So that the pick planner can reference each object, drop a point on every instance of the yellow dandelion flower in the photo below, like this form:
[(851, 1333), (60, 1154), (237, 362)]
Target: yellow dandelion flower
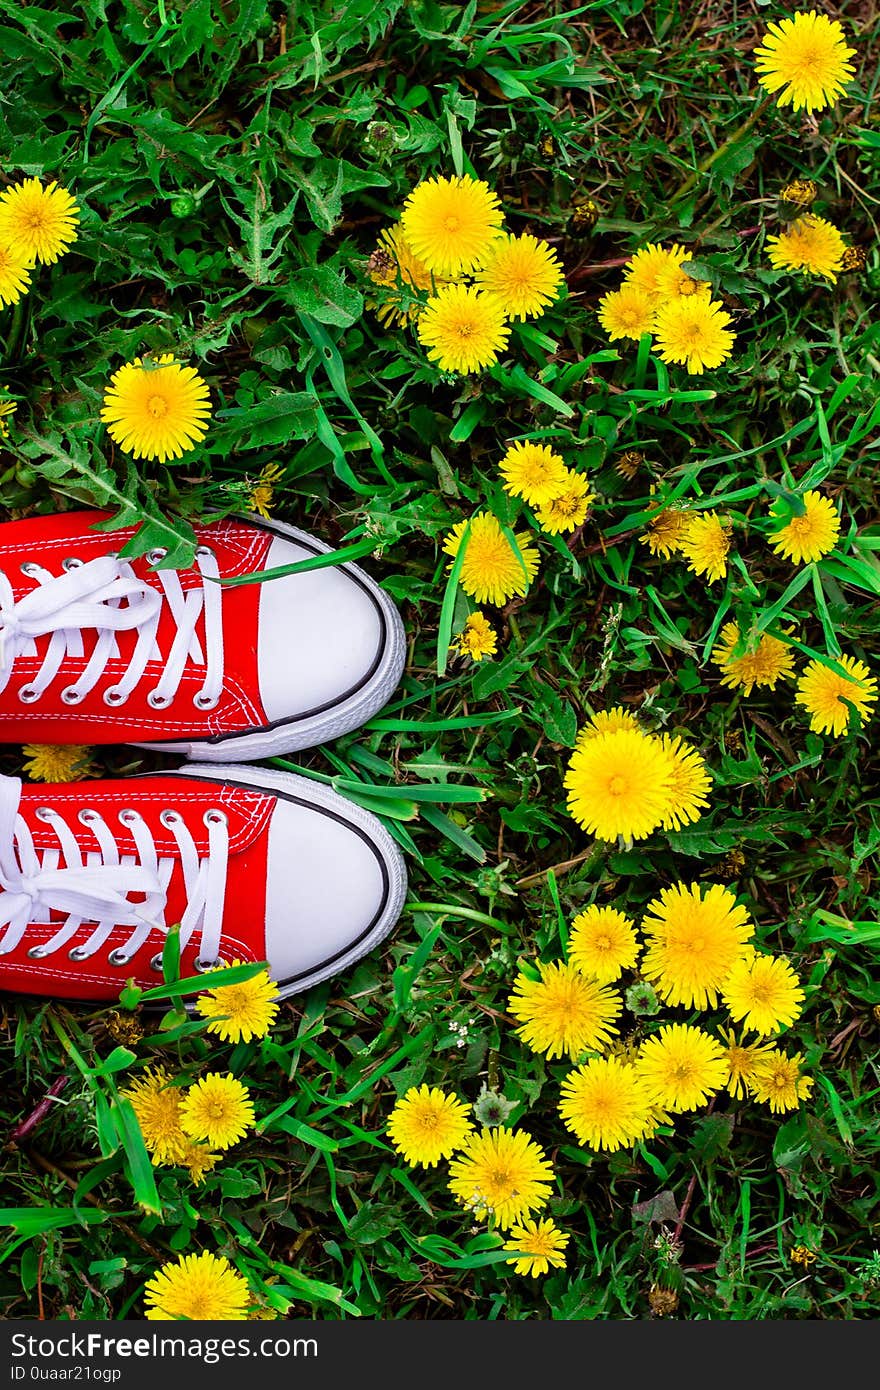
[(777, 1081), (533, 472), (705, 545), (240, 1011), (15, 277), (689, 782), (853, 260), (805, 59), (811, 244), (463, 330), (675, 283), (57, 762), (742, 1059), (427, 1125), (395, 266), (606, 1104), (502, 1174), (39, 223), (602, 944), (156, 410), (198, 1159), (477, 638), (452, 224), (681, 1067), (644, 270), (808, 537), (763, 994), (608, 721), (695, 935), (666, 530), (618, 784), (196, 1288), (761, 662), (261, 493), (7, 410), (568, 510), (824, 695), (535, 1246), (157, 1105), (218, 1109), (800, 193), (564, 1013), (627, 312), (693, 331), (523, 273), (492, 571), (802, 1255)]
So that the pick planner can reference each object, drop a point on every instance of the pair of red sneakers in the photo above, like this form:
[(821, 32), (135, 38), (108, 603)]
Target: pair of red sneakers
[(252, 864)]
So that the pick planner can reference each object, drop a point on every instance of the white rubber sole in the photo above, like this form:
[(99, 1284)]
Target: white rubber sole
[(293, 735), (264, 779)]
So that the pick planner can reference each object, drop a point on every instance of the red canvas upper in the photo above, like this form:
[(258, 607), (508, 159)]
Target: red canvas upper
[(247, 814), (240, 549)]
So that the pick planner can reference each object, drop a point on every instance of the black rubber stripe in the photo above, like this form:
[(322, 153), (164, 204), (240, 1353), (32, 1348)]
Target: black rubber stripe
[(334, 815), (215, 739)]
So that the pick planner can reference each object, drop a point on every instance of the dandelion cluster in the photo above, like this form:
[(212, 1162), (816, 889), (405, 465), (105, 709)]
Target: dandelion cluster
[(659, 298), (449, 269), (624, 782), (191, 1125), (37, 225), (695, 950)]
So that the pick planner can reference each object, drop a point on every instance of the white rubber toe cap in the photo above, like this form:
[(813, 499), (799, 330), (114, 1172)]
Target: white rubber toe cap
[(321, 635)]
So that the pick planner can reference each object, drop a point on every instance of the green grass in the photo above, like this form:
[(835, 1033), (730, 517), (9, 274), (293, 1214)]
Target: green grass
[(234, 165)]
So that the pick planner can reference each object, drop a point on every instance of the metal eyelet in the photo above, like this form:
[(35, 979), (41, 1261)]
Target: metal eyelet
[(87, 816), (78, 953), (113, 696), (37, 952), (118, 957), (214, 817), (170, 818), (28, 569), (71, 696), (70, 562), (203, 966), (205, 550), (154, 556), (128, 816), (157, 701), (156, 964), (44, 813), (203, 701), (27, 694)]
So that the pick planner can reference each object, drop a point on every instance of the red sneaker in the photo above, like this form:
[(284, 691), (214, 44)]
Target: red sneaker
[(253, 865), (96, 649)]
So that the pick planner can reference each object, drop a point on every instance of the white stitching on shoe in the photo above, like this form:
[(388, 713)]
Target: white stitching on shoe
[(105, 596), (94, 887)]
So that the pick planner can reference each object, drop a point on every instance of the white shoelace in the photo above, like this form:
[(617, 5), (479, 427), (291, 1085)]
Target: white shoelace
[(105, 595), (93, 887)]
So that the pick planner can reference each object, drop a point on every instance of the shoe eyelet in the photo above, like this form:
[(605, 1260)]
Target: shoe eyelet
[(78, 953), (71, 696), (157, 701), (215, 817), (118, 957), (37, 952), (203, 701), (128, 816), (28, 569), (87, 816), (154, 556), (205, 551), (28, 694), (203, 966), (44, 813), (70, 562), (156, 964), (170, 818), (113, 696)]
